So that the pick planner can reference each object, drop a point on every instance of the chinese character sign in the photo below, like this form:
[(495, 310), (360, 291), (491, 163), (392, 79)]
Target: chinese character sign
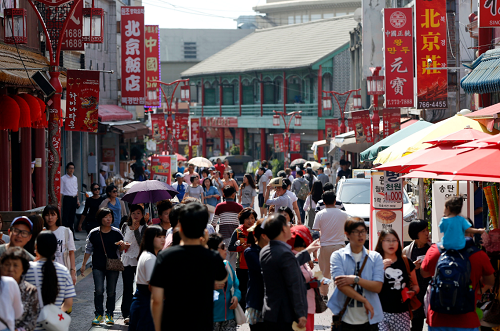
[(331, 127), (295, 142), (82, 100), (72, 40), (195, 131), (159, 127), (392, 121), (181, 127), (278, 143), (430, 27), (362, 126), (133, 56), (398, 57), (489, 13), (153, 72)]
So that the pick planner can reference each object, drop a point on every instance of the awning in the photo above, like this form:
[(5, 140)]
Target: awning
[(347, 142), (408, 123), (109, 113), (485, 76), (487, 116), (319, 143), (129, 129)]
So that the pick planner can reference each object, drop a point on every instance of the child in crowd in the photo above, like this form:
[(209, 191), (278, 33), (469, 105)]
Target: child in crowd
[(453, 226)]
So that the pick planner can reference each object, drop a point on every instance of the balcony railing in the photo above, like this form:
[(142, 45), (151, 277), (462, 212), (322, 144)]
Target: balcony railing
[(310, 109)]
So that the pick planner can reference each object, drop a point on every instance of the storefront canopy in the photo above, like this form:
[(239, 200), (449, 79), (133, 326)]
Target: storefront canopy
[(129, 129), (485, 76), (487, 116), (347, 142), (108, 113), (371, 153)]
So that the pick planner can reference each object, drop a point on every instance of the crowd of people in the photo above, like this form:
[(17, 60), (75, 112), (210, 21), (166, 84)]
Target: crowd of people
[(215, 250)]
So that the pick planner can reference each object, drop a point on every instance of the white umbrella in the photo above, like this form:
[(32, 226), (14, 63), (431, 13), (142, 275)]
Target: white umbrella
[(200, 162), (314, 165)]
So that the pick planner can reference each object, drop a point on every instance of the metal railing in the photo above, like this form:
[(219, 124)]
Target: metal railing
[(310, 109)]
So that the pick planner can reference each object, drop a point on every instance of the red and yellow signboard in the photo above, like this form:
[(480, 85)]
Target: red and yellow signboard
[(398, 57), (159, 127), (331, 127), (430, 27), (278, 143), (489, 13), (153, 63), (82, 100), (195, 131), (133, 58), (295, 142), (362, 126), (181, 127), (392, 121)]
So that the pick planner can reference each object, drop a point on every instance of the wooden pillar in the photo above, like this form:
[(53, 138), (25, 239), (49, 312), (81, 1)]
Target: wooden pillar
[(242, 141), (26, 185), (202, 96), (285, 95), (222, 147), (40, 172), (261, 96), (320, 149), (263, 144), (240, 93), (220, 96), (320, 91), (5, 172)]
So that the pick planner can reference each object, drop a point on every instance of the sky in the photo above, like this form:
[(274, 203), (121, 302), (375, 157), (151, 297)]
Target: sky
[(197, 14)]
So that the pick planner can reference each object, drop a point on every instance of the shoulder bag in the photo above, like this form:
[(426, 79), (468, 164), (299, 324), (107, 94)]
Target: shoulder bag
[(337, 319), (310, 215), (491, 308), (111, 264), (51, 317), (239, 314), (318, 300), (66, 259), (414, 303)]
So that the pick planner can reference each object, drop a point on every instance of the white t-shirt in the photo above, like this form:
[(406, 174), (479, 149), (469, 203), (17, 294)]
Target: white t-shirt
[(264, 179), (145, 267), (330, 221), (62, 234), (355, 313), (11, 306)]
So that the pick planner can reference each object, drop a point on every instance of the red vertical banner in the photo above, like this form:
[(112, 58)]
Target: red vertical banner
[(133, 76), (73, 40), (331, 128), (153, 72), (278, 143), (295, 142), (430, 27), (350, 125), (398, 57), (489, 13), (195, 132), (159, 127), (82, 100), (362, 126), (181, 127), (392, 121)]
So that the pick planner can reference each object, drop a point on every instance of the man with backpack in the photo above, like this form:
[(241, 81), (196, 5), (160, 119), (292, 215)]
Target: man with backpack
[(456, 286), (300, 187)]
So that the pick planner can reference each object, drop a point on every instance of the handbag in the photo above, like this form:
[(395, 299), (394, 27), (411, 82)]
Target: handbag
[(211, 209), (239, 314), (66, 259), (310, 215), (320, 304), (491, 309), (51, 317), (112, 264), (337, 319), (414, 303)]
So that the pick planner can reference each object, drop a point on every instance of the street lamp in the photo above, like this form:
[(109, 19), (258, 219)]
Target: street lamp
[(297, 122), (375, 87), (92, 25), (356, 100), (15, 26), (342, 110), (327, 103), (185, 93), (153, 96)]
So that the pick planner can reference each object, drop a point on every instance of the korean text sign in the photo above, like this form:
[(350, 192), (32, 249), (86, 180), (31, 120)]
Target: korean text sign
[(398, 57), (392, 121), (362, 126), (489, 13), (82, 100), (153, 72), (159, 127), (133, 77), (331, 127), (386, 205), (430, 27), (162, 167)]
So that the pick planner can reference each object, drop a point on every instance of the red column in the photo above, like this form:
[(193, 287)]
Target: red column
[(5, 172), (202, 96), (222, 147), (320, 149), (242, 141), (54, 163), (25, 168), (284, 92), (190, 154), (220, 96), (40, 172), (320, 91), (204, 142), (484, 39), (263, 144), (261, 96), (240, 93)]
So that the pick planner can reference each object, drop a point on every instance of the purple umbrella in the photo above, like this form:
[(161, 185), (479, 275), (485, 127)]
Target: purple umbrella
[(149, 191)]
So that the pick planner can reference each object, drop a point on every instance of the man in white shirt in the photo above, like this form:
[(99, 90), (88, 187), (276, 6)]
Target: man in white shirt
[(293, 199), (70, 199), (330, 222), (279, 197), (263, 180), (329, 171), (191, 172), (102, 180)]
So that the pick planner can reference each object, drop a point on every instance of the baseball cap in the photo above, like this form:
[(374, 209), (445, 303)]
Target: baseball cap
[(276, 182), (22, 220), (211, 168), (177, 175)]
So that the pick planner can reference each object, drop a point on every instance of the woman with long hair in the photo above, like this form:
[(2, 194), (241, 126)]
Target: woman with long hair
[(227, 180), (140, 310), (103, 243), (56, 284), (133, 231), (400, 282), (115, 204), (247, 192), (311, 201), (65, 253), (91, 207), (11, 305)]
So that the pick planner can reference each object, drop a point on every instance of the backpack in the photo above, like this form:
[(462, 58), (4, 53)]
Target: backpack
[(303, 191), (451, 287)]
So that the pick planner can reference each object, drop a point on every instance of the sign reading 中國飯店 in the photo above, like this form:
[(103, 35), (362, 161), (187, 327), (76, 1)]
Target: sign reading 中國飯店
[(398, 57), (153, 72), (133, 56)]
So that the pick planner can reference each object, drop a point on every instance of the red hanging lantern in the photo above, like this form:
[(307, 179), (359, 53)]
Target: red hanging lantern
[(42, 123), (9, 113), (35, 113), (92, 25), (185, 93), (327, 103), (15, 26), (25, 118)]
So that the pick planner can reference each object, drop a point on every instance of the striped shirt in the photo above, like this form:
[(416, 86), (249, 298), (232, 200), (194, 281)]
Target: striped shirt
[(321, 205), (226, 214)]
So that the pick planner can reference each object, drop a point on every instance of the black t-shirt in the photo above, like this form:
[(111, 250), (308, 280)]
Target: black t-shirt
[(91, 208), (396, 278), (422, 282), (109, 239), (187, 274), (346, 174)]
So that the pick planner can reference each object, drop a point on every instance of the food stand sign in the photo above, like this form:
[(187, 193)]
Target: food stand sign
[(489, 13), (82, 100), (430, 35), (398, 57), (153, 73), (162, 167), (392, 121), (133, 56), (386, 205)]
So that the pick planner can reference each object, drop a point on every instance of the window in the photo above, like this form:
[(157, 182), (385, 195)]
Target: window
[(305, 18), (340, 14), (315, 17), (328, 15), (290, 20), (298, 19), (190, 50)]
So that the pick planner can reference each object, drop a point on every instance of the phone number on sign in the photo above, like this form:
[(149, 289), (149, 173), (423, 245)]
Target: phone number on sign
[(73, 38), (435, 104)]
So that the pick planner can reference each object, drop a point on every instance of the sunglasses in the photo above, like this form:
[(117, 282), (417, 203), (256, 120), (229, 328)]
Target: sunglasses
[(95, 189), (114, 191), (222, 246)]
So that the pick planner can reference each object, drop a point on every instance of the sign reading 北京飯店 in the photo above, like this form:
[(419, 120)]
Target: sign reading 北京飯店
[(430, 27), (220, 122), (153, 63), (133, 56), (489, 13), (398, 57)]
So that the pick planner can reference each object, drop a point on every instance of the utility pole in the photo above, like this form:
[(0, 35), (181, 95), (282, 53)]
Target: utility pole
[(457, 51)]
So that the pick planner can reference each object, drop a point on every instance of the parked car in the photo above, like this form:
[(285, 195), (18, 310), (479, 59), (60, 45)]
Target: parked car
[(354, 193), (238, 164)]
